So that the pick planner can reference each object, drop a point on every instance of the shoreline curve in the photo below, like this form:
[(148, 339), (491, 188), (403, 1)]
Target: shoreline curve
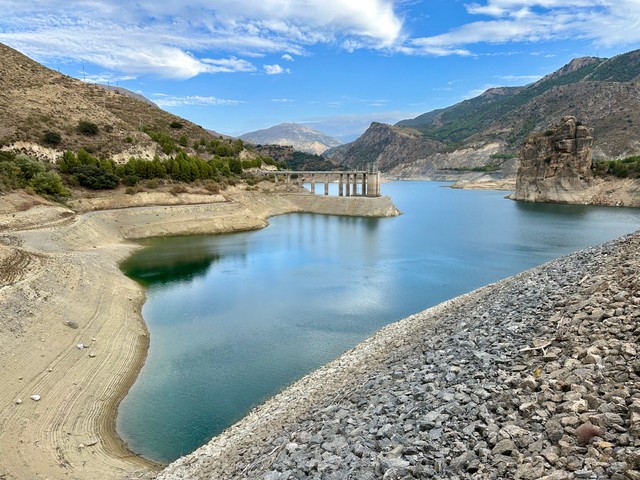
[(73, 332)]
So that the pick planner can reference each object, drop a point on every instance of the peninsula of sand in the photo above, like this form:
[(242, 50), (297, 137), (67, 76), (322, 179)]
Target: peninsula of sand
[(72, 339)]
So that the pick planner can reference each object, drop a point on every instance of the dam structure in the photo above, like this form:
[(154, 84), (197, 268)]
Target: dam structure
[(351, 183)]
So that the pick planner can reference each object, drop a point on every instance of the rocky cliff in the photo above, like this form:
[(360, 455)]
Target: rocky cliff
[(386, 147), (555, 166), (404, 152)]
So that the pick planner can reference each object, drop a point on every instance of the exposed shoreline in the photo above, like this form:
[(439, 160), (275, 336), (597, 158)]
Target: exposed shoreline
[(52, 261)]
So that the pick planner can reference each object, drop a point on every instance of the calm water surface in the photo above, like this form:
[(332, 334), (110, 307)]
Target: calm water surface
[(235, 318)]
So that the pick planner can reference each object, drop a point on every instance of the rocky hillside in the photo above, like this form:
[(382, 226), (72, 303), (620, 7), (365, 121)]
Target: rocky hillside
[(486, 132), (291, 134), (46, 113)]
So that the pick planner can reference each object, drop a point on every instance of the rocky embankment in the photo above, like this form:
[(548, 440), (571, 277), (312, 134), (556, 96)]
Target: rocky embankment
[(535, 377)]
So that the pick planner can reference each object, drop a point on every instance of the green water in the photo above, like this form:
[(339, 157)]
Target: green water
[(236, 318)]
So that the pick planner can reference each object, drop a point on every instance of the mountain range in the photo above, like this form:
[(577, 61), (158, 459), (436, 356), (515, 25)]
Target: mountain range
[(297, 136), (486, 132), (45, 112)]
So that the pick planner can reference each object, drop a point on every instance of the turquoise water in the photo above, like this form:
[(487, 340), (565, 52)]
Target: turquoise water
[(236, 318)]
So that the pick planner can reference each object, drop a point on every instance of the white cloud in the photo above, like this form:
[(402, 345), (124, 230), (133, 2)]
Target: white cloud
[(167, 38), (174, 39), (605, 22), (281, 100), (275, 69), (104, 78), (228, 65), (520, 79), (171, 101), (479, 91)]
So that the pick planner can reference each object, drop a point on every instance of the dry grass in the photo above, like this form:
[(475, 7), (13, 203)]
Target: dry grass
[(35, 99)]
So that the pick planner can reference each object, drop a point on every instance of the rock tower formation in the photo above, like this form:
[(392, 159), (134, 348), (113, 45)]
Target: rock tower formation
[(555, 166)]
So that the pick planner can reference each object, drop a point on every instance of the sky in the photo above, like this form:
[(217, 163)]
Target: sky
[(236, 66)]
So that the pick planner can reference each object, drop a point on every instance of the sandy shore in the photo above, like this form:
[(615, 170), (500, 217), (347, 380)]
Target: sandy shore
[(61, 288)]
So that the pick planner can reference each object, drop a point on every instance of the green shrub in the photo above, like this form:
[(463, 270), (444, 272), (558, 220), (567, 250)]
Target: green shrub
[(29, 168), (95, 177), (87, 128), (52, 138), (176, 124), (68, 161), (130, 180), (235, 165), (627, 167), (9, 175), (167, 144), (49, 183)]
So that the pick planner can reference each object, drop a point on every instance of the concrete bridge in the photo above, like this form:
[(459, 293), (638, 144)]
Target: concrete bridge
[(351, 183)]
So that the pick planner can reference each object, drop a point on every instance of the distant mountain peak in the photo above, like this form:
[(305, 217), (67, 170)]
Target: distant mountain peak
[(298, 136), (573, 66)]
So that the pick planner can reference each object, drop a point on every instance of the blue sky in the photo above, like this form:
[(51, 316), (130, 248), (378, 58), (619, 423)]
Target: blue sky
[(335, 65)]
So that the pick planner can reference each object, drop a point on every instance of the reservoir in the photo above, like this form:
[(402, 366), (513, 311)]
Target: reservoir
[(235, 318)]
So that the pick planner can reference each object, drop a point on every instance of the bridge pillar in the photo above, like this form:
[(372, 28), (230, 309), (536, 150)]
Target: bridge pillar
[(364, 184), (348, 184), (275, 178), (326, 184), (340, 193), (313, 183), (288, 179), (355, 184)]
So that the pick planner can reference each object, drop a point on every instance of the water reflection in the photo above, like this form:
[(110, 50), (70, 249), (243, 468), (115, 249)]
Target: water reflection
[(553, 208), (175, 260)]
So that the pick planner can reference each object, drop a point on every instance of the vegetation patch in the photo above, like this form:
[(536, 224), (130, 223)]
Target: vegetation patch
[(87, 128), (488, 168), (20, 171), (52, 138), (626, 168), (503, 156)]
